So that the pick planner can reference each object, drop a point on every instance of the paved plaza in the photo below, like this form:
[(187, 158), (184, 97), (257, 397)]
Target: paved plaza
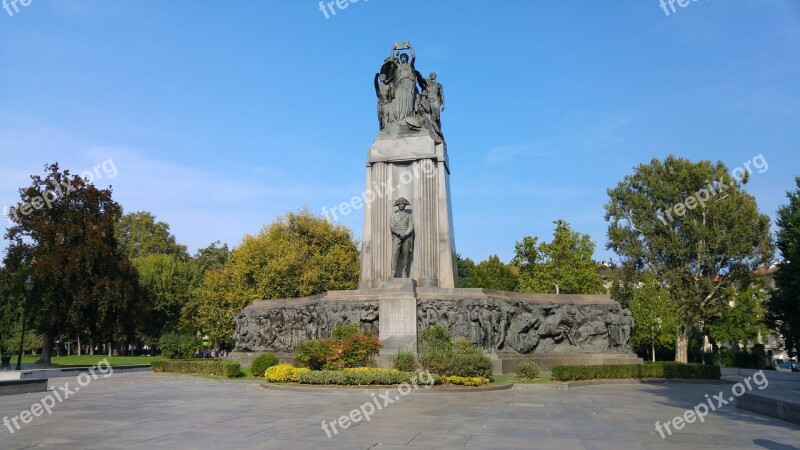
[(145, 410)]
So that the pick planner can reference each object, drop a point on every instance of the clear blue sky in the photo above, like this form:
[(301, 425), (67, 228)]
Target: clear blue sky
[(219, 116)]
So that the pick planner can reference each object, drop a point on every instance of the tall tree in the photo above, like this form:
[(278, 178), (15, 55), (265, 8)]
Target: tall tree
[(785, 303), (167, 280), (692, 227), (494, 274), (654, 314), (298, 255), (140, 235), (63, 237), (563, 266), (209, 258)]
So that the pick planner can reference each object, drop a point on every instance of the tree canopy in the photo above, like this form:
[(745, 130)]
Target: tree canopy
[(299, 254), (694, 228), (563, 266), (494, 274), (140, 235)]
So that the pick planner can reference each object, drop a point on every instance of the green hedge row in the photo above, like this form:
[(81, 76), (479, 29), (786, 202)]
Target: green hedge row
[(217, 367), (352, 378), (625, 371)]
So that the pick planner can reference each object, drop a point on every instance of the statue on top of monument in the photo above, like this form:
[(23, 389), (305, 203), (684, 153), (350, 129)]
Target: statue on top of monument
[(401, 225), (385, 93), (400, 103), (435, 94)]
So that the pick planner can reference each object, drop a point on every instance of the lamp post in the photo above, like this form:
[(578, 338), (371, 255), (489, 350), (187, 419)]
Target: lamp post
[(28, 289)]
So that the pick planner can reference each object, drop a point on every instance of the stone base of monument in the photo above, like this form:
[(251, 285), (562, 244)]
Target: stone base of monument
[(398, 309), (509, 326)]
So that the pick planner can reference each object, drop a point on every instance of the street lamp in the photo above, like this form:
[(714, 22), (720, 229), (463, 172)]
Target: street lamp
[(28, 289)]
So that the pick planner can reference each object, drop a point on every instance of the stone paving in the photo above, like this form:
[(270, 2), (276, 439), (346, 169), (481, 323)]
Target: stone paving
[(145, 410)]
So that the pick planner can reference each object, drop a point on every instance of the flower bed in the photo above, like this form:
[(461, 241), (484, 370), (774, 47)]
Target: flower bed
[(284, 373)]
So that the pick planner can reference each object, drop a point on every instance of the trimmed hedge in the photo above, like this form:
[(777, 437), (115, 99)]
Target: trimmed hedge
[(626, 371), (362, 377), (216, 367)]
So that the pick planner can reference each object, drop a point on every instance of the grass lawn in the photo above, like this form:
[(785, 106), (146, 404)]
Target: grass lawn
[(87, 360)]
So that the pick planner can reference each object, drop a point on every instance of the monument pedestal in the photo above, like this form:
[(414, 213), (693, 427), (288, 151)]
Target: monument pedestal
[(398, 311), (413, 166)]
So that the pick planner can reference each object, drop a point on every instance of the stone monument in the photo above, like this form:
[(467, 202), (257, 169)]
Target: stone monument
[(408, 267), (408, 160)]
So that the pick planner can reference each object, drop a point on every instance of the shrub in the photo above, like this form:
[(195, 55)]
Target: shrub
[(404, 361), (436, 339), (465, 381), (179, 345), (262, 363), (313, 353), (284, 373), (647, 370), (462, 345), (743, 360), (459, 364), (345, 330), (353, 350), (216, 367), (348, 348), (528, 369)]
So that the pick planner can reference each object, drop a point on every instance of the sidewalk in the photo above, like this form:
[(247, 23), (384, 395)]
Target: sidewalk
[(780, 399)]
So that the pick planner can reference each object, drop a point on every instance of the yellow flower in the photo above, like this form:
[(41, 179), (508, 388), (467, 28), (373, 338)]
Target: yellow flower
[(465, 381), (283, 373)]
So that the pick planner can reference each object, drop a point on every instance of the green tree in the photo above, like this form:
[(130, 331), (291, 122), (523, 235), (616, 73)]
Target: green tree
[(167, 280), (785, 302), (655, 316), (140, 235), (83, 282), (742, 319), (493, 274), (297, 255), (563, 266), (693, 228), (212, 257), (466, 269)]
